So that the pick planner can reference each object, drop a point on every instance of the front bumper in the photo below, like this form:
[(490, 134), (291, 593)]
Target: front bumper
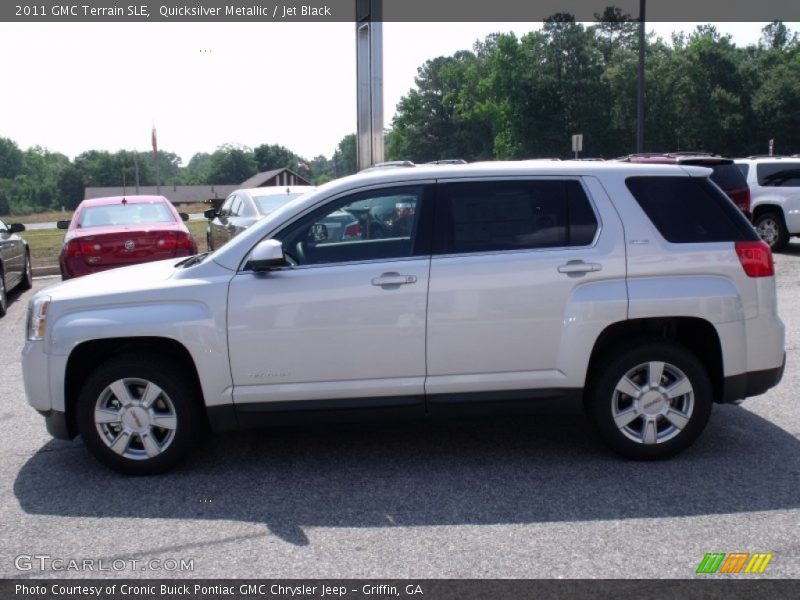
[(57, 424)]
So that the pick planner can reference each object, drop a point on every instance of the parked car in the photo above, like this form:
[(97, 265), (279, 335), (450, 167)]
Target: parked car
[(775, 190), (723, 172), (15, 262), (106, 233), (639, 289), (244, 207)]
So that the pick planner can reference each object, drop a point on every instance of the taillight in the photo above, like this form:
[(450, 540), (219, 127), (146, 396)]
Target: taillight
[(82, 247), (741, 198), (177, 241), (186, 242), (352, 232), (756, 258)]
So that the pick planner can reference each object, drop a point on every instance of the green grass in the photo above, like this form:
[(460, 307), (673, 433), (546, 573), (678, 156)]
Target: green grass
[(45, 244)]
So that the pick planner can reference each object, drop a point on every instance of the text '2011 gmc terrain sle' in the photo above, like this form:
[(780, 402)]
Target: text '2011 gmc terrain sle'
[(641, 289)]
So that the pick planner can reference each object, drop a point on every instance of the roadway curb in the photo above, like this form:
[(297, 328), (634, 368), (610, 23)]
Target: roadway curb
[(46, 271)]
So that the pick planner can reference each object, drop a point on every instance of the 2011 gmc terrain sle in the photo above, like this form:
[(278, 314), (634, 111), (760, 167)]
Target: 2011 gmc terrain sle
[(639, 288)]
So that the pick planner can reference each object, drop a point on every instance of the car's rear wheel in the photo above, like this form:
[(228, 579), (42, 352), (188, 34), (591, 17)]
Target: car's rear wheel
[(27, 274), (652, 401), (772, 230), (139, 415)]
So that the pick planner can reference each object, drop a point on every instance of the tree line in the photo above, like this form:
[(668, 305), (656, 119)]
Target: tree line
[(36, 179), (513, 98), (507, 98)]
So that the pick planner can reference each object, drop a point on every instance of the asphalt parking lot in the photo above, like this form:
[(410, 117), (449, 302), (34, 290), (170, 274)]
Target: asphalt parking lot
[(533, 497)]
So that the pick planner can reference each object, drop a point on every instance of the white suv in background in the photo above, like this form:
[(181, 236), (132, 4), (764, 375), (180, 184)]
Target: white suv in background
[(774, 196), (640, 289)]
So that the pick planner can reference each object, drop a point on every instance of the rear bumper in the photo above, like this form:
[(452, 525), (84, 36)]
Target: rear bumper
[(745, 385)]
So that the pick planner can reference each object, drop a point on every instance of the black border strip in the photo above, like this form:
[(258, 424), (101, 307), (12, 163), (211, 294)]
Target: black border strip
[(163, 11)]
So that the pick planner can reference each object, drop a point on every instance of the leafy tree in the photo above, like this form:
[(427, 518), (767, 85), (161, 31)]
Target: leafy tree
[(71, 186), (10, 159), (231, 165), (273, 156)]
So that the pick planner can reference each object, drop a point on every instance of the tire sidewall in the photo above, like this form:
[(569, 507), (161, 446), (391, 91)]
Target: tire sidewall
[(610, 373), (171, 379), (783, 234), (3, 295), (27, 275)]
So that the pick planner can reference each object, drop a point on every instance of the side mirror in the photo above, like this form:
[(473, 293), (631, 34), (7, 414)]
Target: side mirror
[(16, 227), (268, 254), (319, 232), (210, 213), (62, 224), (184, 216)]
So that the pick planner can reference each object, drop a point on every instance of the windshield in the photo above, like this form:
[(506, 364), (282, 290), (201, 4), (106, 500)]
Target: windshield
[(125, 214), (268, 204)]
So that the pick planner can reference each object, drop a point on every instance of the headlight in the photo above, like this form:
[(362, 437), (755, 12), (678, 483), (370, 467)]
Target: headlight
[(37, 317)]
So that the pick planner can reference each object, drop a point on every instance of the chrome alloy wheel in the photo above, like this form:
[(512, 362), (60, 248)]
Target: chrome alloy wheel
[(768, 230), (652, 403), (135, 418)]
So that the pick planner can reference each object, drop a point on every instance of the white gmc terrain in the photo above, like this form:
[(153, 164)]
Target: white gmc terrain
[(425, 291)]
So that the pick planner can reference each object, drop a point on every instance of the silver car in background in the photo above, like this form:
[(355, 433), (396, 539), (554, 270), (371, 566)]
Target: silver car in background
[(244, 207)]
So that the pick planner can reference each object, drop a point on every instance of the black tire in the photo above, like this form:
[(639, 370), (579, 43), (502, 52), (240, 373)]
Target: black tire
[(3, 295), (653, 431), (177, 407), (772, 229), (27, 274)]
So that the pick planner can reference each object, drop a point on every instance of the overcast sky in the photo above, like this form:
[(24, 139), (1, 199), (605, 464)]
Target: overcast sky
[(81, 86)]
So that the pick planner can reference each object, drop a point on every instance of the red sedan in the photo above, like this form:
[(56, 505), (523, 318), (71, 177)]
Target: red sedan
[(105, 233)]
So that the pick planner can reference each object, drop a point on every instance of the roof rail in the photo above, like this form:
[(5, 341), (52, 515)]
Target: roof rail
[(771, 156), (389, 165), (447, 161)]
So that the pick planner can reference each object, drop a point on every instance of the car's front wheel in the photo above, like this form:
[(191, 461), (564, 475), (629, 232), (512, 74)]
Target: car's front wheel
[(651, 401), (139, 416)]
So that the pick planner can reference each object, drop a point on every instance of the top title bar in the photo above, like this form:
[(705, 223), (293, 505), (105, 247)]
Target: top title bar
[(393, 10)]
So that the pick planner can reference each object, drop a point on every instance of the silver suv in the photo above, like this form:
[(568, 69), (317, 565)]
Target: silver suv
[(775, 196), (639, 289)]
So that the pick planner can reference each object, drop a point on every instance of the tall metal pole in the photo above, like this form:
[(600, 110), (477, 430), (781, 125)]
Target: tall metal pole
[(640, 86), (369, 82)]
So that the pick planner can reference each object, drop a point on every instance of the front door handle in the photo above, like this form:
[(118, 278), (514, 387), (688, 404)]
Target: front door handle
[(393, 279), (578, 266)]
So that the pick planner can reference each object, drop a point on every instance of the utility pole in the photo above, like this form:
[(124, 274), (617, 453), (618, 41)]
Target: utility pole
[(640, 86)]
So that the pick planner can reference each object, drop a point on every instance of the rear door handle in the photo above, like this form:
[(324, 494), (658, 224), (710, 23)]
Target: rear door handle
[(393, 279), (578, 266)]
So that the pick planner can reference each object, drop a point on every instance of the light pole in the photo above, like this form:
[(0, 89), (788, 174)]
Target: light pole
[(640, 85)]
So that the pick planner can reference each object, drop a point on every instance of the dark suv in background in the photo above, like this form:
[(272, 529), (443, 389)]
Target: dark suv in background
[(724, 172)]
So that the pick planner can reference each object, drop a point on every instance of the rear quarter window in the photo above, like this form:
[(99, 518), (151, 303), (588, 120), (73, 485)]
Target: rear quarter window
[(690, 210), (779, 174)]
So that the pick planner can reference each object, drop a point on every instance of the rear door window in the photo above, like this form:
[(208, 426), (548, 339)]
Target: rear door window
[(728, 177), (779, 174), (690, 210), (490, 216), (744, 168)]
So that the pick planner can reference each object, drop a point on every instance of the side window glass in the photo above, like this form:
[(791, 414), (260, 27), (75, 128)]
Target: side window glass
[(779, 175), (236, 207), (225, 211), (369, 226), (3, 227), (513, 215)]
